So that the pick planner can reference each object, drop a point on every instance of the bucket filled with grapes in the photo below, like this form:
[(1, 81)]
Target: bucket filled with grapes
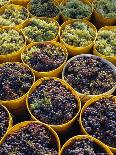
[(98, 119), (31, 138), (15, 81), (12, 43), (90, 75), (5, 122), (40, 29), (46, 59), (78, 36), (104, 12), (76, 9), (13, 16), (44, 8), (105, 44), (84, 145), (54, 102)]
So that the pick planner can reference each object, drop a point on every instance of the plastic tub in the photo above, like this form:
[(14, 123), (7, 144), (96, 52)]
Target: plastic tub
[(73, 50), (101, 21), (86, 18), (85, 97), (62, 127), (112, 59), (56, 2), (10, 123), (17, 7), (79, 137), (88, 103), (17, 105), (16, 55), (17, 127), (54, 73), (42, 18)]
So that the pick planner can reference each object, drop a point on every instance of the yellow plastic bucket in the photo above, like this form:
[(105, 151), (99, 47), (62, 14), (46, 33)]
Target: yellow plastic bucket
[(73, 50), (86, 18), (10, 123), (17, 7), (112, 59), (16, 55), (54, 73), (62, 127), (18, 104), (55, 18), (29, 40), (100, 20), (17, 127), (80, 137), (85, 97), (89, 103), (20, 2)]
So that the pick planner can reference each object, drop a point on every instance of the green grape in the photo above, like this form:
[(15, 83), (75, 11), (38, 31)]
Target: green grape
[(106, 42)]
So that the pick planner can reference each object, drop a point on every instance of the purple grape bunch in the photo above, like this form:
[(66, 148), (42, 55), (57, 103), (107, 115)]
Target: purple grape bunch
[(84, 146), (15, 81), (52, 103), (4, 121), (33, 139), (89, 75), (44, 57), (99, 120)]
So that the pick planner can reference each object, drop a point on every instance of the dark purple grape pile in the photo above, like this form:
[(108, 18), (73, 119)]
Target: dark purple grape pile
[(90, 75), (44, 57), (99, 120), (53, 103), (33, 139), (15, 81), (4, 121), (84, 147)]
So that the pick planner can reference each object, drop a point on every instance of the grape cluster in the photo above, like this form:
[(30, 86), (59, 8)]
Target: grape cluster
[(53, 103), (41, 30), (106, 7), (106, 42), (43, 8), (13, 16), (84, 147), (10, 41), (76, 9), (4, 121), (78, 34), (44, 57), (3, 2), (15, 81), (89, 75), (33, 139), (99, 120)]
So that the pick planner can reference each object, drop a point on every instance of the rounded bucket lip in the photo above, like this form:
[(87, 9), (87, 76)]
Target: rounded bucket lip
[(88, 104), (79, 137), (18, 126), (61, 126), (94, 56)]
